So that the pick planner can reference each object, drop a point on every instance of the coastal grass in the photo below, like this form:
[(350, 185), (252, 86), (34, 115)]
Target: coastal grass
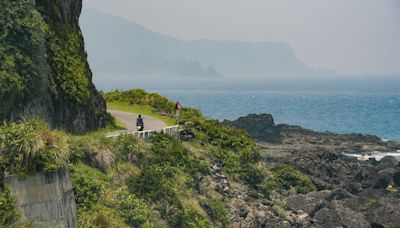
[(120, 124), (142, 109)]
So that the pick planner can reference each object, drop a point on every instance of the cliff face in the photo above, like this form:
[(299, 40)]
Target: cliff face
[(43, 65)]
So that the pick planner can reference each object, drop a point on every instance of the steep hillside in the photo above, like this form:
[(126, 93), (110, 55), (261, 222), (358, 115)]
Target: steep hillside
[(114, 43), (43, 66)]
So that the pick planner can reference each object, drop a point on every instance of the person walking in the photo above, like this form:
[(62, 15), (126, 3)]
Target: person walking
[(140, 123)]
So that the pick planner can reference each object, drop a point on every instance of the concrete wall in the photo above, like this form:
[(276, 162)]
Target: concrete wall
[(47, 199)]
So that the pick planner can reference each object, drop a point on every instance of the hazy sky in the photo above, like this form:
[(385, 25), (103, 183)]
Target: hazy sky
[(348, 36)]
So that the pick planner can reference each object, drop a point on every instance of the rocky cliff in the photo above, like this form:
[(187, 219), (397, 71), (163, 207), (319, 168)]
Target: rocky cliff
[(43, 65)]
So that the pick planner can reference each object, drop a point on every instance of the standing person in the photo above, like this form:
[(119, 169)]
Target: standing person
[(178, 108), (140, 123)]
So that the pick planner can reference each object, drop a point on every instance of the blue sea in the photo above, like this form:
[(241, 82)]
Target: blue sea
[(356, 105)]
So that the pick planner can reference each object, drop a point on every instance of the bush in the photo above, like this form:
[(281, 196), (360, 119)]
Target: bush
[(191, 115), (156, 182), (8, 213), (134, 210), (227, 137), (141, 97), (286, 177), (167, 149), (251, 175), (88, 184), (100, 216), (216, 210), (192, 219), (30, 147), (230, 161), (130, 148)]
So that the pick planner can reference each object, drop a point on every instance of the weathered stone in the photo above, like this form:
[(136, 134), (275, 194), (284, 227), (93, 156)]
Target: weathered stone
[(46, 199), (382, 182), (309, 203), (387, 162), (339, 194), (396, 178)]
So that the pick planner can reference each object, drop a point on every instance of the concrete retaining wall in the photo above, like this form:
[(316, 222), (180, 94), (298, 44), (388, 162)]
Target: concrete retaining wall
[(47, 199)]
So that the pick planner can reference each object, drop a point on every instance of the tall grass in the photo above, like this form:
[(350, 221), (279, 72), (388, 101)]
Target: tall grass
[(31, 146)]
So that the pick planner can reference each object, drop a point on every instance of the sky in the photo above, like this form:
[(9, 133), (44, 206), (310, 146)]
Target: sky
[(357, 37)]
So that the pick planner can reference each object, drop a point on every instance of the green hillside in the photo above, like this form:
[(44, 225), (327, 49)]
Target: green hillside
[(127, 182)]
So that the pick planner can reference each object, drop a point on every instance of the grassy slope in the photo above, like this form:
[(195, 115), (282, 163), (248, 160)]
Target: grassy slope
[(142, 109)]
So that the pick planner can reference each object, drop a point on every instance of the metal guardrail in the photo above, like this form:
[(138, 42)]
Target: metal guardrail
[(172, 130)]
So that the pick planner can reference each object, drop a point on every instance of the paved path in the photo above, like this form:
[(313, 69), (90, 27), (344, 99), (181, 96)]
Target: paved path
[(129, 120)]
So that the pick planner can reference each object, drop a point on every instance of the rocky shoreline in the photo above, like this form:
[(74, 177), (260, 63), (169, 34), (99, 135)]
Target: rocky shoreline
[(351, 192)]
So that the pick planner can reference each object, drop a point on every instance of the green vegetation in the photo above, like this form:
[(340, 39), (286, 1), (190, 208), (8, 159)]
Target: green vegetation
[(30, 147), (68, 64), (22, 31), (157, 102), (8, 213), (129, 182), (218, 212), (286, 177), (28, 42)]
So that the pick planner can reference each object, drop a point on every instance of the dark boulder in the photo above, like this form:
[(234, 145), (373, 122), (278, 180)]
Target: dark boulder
[(339, 216), (339, 194), (261, 127), (309, 203), (382, 182), (387, 162), (396, 178)]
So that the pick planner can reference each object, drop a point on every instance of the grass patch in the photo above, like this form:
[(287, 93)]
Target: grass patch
[(120, 124), (140, 109)]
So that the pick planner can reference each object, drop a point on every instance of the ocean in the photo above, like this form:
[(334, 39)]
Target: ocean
[(357, 105)]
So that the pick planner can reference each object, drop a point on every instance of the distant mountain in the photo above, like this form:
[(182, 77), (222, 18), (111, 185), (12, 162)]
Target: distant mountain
[(116, 45)]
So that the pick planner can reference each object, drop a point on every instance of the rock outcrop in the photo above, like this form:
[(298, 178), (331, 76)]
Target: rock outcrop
[(43, 66), (351, 193), (261, 127)]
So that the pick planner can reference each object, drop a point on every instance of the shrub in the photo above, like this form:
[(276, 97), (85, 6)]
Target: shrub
[(31, 147), (141, 97), (216, 210), (8, 213), (192, 219), (156, 182), (227, 137), (286, 177), (134, 210), (100, 216), (191, 115), (230, 161), (251, 175), (130, 148), (168, 149), (88, 184)]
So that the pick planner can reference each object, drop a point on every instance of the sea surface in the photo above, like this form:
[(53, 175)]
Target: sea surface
[(357, 105)]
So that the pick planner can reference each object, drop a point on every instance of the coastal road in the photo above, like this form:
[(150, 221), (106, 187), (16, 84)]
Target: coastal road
[(129, 120)]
